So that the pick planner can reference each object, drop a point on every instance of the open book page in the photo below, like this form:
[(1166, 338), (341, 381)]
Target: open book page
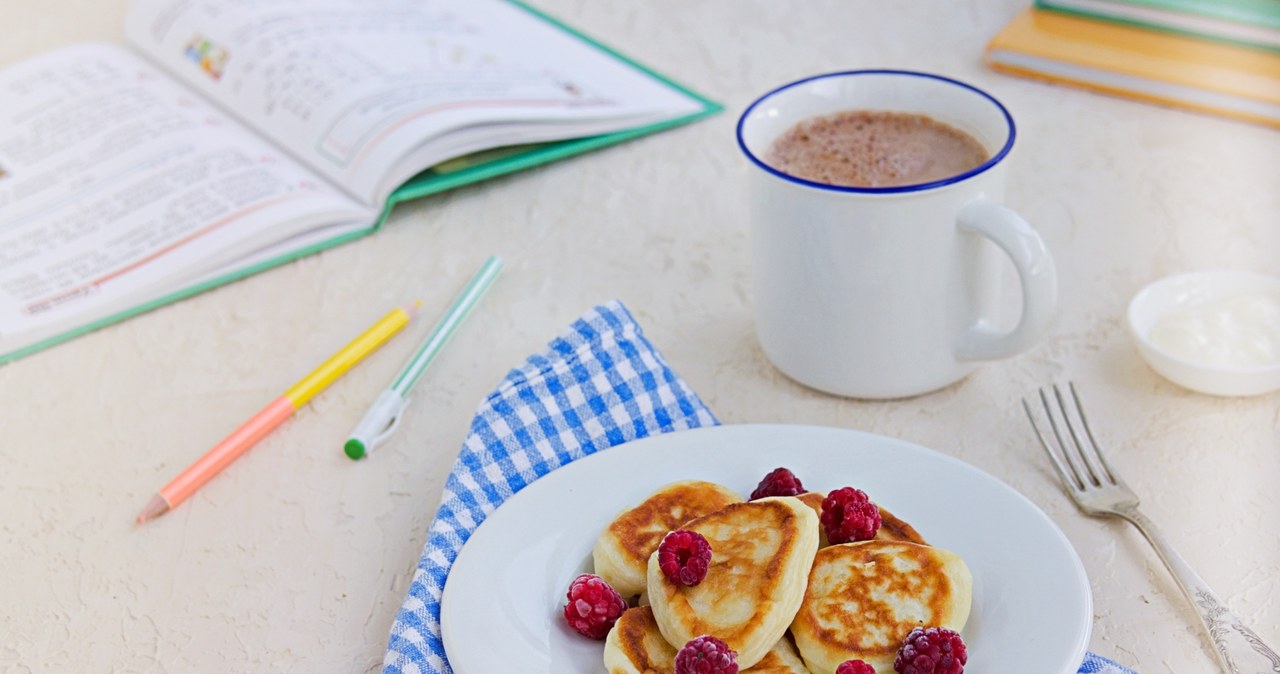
[(118, 185), (369, 92)]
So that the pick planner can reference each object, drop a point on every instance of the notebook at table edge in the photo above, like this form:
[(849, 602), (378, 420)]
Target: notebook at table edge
[(1255, 12), (1130, 62), (1247, 23), (425, 184)]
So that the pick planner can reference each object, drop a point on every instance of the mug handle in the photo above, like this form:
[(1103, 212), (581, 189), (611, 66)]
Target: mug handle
[(1036, 273)]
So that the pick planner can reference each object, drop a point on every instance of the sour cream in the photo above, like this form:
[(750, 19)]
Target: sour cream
[(1214, 331), (1235, 331)]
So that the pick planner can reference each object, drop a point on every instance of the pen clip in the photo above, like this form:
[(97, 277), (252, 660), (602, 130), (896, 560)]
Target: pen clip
[(391, 425), (378, 424)]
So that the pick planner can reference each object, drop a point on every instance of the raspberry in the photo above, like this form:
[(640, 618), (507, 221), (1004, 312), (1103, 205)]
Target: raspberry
[(706, 655), (779, 482), (593, 606), (855, 667), (848, 515), (684, 557), (936, 650)]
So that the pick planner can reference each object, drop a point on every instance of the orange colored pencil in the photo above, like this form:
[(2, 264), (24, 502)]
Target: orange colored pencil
[(274, 414)]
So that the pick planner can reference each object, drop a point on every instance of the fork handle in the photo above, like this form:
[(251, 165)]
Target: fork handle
[(1238, 649)]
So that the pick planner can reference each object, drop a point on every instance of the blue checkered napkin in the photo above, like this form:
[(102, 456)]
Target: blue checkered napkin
[(1094, 664), (599, 384)]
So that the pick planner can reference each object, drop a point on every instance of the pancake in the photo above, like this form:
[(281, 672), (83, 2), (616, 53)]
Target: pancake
[(636, 646), (864, 598), (621, 554), (781, 659), (761, 552), (891, 528)]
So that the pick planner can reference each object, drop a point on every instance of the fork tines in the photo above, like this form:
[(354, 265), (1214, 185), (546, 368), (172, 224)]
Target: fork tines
[(1084, 466)]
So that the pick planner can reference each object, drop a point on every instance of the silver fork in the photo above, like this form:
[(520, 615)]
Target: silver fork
[(1098, 491)]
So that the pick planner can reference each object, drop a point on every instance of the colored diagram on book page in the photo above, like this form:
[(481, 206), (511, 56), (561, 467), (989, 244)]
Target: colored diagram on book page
[(209, 56)]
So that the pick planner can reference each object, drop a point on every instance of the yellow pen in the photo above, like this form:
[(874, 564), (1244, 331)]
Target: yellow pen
[(274, 414)]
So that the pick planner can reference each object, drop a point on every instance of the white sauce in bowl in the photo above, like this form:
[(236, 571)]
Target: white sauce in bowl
[(1236, 331)]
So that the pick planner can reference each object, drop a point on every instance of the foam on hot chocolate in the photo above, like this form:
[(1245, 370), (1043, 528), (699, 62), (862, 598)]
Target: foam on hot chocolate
[(871, 148)]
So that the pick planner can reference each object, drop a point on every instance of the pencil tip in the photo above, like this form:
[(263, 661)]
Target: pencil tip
[(156, 507)]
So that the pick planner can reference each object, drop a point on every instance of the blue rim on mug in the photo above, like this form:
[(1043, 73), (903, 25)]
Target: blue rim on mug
[(896, 189)]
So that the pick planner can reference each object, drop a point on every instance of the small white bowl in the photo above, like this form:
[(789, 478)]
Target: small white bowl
[(1186, 290)]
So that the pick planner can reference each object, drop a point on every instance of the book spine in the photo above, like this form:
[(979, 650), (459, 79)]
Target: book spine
[(1130, 93)]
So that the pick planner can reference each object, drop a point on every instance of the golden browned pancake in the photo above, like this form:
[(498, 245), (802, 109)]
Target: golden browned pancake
[(781, 659), (891, 528), (864, 598), (636, 646), (761, 552), (621, 554)]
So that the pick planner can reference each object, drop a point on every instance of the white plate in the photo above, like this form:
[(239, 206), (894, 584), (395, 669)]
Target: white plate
[(501, 609)]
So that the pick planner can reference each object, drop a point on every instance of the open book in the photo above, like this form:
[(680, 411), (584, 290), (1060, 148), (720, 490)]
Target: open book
[(233, 135)]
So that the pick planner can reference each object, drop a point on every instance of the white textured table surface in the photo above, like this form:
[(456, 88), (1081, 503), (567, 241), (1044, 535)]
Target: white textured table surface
[(295, 558)]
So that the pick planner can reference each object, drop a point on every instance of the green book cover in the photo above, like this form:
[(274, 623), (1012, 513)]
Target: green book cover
[(446, 176), (1250, 23)]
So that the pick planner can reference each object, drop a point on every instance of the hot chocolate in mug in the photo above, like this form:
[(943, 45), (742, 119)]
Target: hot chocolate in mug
[(888, 292)]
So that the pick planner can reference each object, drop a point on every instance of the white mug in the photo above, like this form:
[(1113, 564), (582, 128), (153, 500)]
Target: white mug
[(888, 292)]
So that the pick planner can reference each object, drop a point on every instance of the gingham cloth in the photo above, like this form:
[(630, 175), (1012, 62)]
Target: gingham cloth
[(599, 384)]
